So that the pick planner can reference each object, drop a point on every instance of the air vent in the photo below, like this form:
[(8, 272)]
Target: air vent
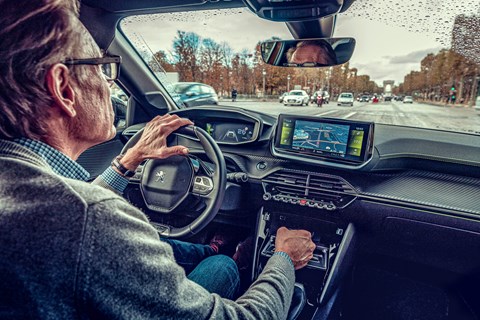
[(327, 183), (308, 189), (289, 183)]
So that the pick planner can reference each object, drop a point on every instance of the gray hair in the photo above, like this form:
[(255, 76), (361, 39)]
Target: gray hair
[(34, 35)]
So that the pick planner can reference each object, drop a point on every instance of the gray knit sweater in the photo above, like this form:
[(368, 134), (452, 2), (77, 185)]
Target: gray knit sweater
[(71, 250)]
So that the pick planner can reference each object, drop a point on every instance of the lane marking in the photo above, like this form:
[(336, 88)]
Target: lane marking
[(328, 112), (349, 115)]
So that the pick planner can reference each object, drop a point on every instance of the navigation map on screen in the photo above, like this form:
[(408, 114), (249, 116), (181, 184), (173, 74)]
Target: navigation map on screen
[(322, 137)]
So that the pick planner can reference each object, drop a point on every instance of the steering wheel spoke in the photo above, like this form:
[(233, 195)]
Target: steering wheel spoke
[(202, 186)]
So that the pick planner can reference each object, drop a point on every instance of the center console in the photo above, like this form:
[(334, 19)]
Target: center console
[(313, 201), (332, 256)]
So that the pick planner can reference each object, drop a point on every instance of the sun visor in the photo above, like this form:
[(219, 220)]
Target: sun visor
[(289, 11)]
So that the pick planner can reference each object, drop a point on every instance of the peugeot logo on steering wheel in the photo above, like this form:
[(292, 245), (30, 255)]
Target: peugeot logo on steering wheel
[(160, 176)]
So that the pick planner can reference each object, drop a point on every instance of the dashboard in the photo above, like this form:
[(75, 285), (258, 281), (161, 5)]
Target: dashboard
[(426, 169)]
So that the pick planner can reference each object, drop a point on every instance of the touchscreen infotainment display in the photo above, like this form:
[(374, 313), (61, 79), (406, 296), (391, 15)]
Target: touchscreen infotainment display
[(322, 137)]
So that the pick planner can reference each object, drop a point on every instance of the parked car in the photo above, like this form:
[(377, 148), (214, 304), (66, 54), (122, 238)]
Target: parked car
[(296, 97), (195, 94), (408, 99), (345, 98), (280, 99), (477, 104)]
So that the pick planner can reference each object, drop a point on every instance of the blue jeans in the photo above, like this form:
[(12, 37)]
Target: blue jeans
[(215, 272)]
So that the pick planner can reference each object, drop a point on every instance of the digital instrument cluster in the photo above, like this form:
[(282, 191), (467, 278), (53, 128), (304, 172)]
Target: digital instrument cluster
[(324, 138), (232, 133)]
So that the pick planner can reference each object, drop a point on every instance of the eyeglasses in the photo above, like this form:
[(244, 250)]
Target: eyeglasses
[(110, 65)]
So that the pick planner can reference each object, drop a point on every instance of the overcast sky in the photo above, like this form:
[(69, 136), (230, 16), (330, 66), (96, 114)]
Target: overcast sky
[(392, 36)]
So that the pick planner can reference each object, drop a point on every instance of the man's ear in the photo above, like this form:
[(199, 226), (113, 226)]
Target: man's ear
[(60, 87)]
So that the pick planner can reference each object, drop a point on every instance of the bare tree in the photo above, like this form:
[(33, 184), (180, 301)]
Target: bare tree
[(186, 51), (211, 66)]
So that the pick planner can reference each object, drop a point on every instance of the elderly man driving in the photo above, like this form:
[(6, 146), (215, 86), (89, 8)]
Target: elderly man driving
[(77, 250)]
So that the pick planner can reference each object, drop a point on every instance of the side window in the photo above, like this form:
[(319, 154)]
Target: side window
[(119, 104)]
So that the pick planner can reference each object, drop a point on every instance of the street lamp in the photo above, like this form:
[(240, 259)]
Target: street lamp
[(288, 83), (264, 73), (221, 85)]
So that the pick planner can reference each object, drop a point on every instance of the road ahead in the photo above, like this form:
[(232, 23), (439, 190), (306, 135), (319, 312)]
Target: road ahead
[(449, 118)]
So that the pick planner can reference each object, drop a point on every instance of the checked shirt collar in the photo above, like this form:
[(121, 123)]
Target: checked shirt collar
[(60, 163)]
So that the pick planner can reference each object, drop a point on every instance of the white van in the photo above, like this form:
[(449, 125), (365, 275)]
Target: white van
[(345, 98)]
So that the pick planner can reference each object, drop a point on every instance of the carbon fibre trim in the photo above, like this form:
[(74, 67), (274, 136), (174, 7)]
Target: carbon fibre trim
[(436, 190)]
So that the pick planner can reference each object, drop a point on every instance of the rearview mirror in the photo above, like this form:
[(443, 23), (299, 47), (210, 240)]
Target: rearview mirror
[(308, 52)]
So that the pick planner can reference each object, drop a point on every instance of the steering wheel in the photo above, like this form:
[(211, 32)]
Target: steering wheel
[(166, 183)]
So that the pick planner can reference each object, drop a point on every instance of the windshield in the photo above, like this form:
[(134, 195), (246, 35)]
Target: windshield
[(427, 51), (295, 93)]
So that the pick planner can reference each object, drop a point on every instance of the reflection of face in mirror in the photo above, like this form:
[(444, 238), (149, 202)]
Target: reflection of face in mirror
[(316, 52)]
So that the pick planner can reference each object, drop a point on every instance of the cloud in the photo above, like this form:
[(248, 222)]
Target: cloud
[(412, 57), (381, 70), (390, 67)]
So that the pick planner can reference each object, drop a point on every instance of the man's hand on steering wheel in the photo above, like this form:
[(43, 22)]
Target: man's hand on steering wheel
[(168, 179), (153, 143)]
